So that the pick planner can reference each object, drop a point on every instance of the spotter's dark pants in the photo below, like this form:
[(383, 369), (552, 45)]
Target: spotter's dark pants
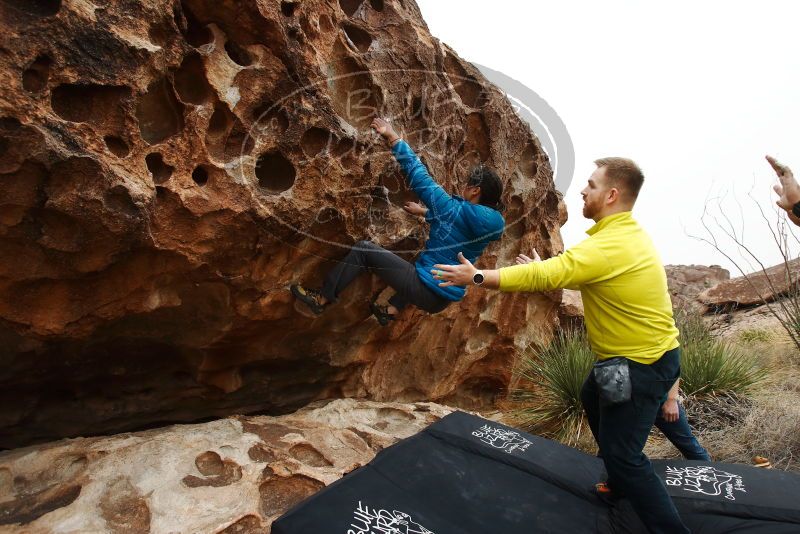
[(621, 431)]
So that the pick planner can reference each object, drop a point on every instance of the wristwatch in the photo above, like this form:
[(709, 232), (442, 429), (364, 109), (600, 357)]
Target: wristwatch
[(796, 210), (478, 278)]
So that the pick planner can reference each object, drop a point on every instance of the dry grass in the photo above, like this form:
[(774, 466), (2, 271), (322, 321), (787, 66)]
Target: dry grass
[(762, 419), (767, 423)]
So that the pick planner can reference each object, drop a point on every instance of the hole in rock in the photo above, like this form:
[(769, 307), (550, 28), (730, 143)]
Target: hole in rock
[(89, 103), (360, 38), (325, 24), (116, 145), (551, 202), (271, 117), (344, 146), (467, 87), (379, 205), (309, 29), (238, 143), (477, 140), (544, 232), (200, 175), (37, 8), (288, 8), (159, 33), (295, 33), (118, 200), (308, 455), (280, 494), (227, 138), (196, 33), (261, 453), (350, 6), (209, 463), (377, 5), (160, 170), (275, 173), (417, 108), (30, 507), (219, 122), (239, 55), (314, 141), (190, 80), (514, 213), (527, 163), (328, 215), (398, 190), (159, 113), (355, 98), (35, 77)]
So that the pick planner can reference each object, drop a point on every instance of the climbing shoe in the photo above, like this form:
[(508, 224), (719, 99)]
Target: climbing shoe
[(381, 313), (309, 297)]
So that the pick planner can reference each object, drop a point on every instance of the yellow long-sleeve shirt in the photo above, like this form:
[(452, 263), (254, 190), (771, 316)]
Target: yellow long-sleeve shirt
[(626, 302)]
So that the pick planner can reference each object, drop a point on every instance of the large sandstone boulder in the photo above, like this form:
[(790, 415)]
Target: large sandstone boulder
[(228, 476), (170, 167)]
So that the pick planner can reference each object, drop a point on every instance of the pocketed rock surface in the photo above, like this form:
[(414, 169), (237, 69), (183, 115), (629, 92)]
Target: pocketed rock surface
[(168, 168), (232, 475)]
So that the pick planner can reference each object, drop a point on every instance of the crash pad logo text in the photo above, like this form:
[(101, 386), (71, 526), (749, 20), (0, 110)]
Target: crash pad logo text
[(368, 520), (706, 480), (506, 440)]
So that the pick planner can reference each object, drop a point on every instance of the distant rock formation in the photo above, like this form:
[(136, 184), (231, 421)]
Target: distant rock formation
[(229, 476), (686, 282), (754, 289), (170, 167)]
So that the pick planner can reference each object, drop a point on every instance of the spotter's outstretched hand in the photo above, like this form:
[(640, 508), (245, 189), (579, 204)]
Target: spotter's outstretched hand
[(454, 275), (522, 259)]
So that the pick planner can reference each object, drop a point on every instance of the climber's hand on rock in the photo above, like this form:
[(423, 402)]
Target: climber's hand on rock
[(415, 208), (383, 127), (454, 275)]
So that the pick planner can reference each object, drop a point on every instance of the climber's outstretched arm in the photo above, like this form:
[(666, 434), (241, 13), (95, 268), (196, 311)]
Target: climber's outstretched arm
[(419, 180)]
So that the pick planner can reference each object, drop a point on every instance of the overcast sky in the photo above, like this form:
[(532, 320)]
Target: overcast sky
[(695, 92)]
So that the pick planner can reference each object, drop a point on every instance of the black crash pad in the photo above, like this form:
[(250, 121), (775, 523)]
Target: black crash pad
[(468, 475)]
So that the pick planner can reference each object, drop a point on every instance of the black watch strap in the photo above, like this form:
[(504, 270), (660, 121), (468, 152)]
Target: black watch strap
[(796, 210)]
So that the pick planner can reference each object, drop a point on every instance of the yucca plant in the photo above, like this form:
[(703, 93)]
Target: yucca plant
[(710, 366), (547, 399)]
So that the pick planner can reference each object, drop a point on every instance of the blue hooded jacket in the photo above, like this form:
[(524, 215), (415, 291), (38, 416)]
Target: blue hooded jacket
[(456, 224)]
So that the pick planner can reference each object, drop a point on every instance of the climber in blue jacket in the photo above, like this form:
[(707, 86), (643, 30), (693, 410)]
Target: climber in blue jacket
[(459, 225)]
